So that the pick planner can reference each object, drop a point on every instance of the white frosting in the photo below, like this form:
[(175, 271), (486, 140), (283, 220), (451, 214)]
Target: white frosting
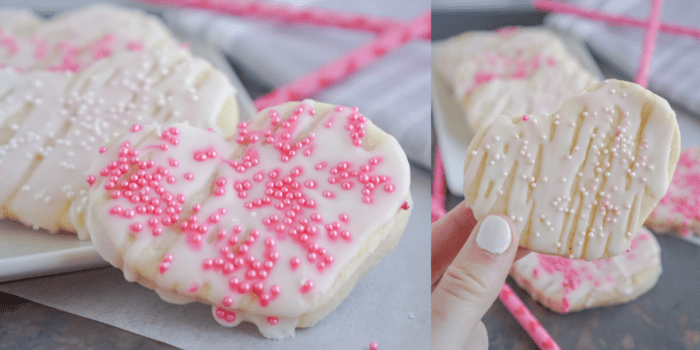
[(509, 72), (565, 285), (80, 113), (142, 253), (575, 182), (89, 33)]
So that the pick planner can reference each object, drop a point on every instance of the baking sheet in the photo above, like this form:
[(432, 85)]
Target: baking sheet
[(451, 129), (666, 317), (25, 252)]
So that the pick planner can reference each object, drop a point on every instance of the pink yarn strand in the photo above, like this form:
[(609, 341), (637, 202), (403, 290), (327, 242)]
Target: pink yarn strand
[(278, 12), (652, 32), (561, 7), (526, 319), (339, 69), (437, 199)]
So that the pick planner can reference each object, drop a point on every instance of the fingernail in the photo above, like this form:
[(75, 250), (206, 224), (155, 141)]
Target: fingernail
[(494, 235)]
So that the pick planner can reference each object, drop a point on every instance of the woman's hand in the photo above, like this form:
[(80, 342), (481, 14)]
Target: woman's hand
[(471, 261)]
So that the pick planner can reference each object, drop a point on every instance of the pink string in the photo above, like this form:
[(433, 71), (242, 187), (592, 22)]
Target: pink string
[(526, 319), (437, 199), (288, 14), (642, 76), (562, 7), (337, 70)]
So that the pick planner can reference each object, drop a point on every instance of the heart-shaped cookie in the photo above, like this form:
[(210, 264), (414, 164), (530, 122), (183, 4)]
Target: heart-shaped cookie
[(74, 40), (565, 285), (52, 124), (578, 183), (679, 210), (489, 71), (274, 226)]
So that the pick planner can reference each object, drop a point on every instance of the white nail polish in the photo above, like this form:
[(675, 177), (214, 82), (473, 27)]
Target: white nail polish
[(494, 235)]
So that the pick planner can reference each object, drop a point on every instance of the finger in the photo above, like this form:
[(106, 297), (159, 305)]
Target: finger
[(472, 281), (521, 253), (479, 338), (448, 236)]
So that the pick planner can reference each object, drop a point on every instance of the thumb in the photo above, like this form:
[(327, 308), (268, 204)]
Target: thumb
[(472, 282)]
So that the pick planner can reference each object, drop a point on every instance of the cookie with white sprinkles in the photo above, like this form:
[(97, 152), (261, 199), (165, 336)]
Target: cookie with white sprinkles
[(73, 82), (580, 182), (273, 226)]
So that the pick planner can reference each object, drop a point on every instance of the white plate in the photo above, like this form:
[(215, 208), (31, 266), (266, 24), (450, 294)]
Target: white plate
[(451, 129), (28, 253)]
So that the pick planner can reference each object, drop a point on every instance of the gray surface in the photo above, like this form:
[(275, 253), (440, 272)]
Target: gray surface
[(666, 317)]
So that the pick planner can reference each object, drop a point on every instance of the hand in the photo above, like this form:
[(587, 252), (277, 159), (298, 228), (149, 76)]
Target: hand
[(471, 261)]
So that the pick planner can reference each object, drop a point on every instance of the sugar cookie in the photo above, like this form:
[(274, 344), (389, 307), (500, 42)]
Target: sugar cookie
[(565, 285), (274, 226), (52, 124), (679, 210), (512, 71), (578, 183), (74, 40)]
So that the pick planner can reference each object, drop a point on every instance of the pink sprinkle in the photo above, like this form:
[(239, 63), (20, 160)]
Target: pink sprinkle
[(102, 149), (189, 176), (135, 128), (272, 320), (134, 46), (373, 346), (525, 118), (194, 287), (91, 180), (307, 287), (294, 262)]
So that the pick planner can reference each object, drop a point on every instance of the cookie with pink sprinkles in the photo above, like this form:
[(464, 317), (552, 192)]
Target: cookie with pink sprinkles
[(679, 210), (489, 71), (65, 91), (565, 285), (273, 226)]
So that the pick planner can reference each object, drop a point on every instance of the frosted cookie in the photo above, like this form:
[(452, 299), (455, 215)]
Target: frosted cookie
[(74, 40), (578, 183), (679, 210), (53, 123), (512, 71), (274, 226), (565, 285)]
